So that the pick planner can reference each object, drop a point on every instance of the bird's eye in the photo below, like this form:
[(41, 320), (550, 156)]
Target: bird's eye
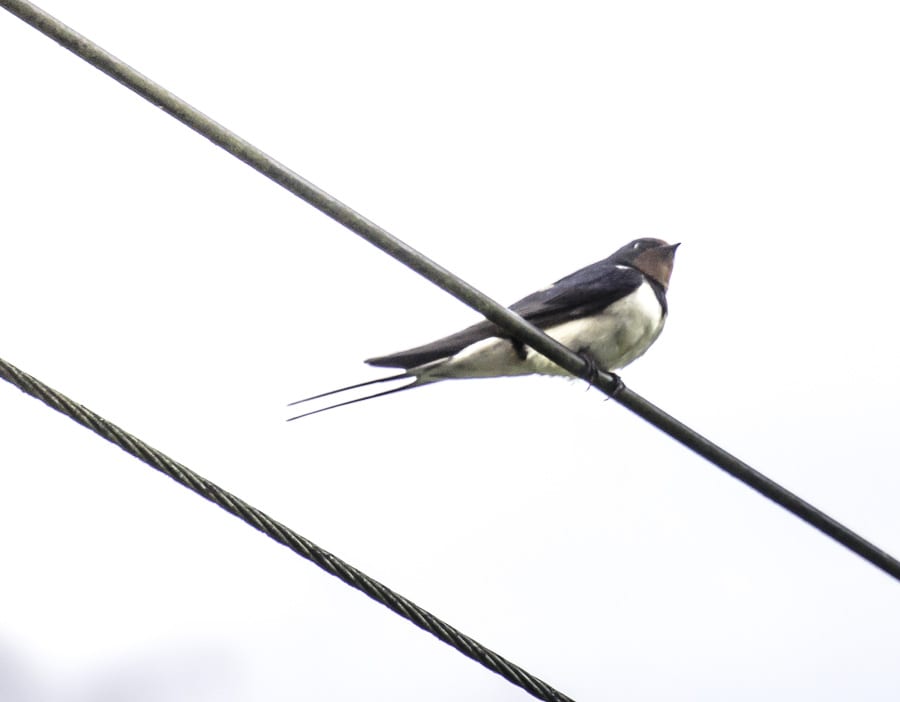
[(636, 245)]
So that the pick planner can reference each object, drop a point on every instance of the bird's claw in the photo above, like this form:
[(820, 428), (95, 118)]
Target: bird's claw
[(592, 375), (592, 372), (618, 386)]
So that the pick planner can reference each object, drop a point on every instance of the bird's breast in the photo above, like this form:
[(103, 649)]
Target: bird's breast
[(615, 337)]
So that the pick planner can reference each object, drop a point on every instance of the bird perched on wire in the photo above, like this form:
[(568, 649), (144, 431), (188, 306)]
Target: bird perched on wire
[(609, 313)]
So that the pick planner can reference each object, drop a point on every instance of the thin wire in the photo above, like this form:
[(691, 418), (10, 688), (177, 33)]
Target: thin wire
[(280, 533), (495, 312)]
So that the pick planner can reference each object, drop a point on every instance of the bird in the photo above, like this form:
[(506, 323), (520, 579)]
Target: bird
[(609, 312)]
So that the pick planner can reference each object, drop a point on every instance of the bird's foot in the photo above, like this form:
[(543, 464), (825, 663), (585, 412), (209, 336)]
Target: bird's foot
[(592, 375), (618, 387), (592, 371)]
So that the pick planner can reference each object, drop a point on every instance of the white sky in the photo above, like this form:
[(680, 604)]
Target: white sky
[(168, 287)]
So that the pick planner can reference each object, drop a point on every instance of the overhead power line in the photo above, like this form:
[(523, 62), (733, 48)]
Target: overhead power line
[(280, 533), (507, 320)]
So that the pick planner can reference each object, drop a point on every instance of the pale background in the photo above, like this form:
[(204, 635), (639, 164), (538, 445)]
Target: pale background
[(167, 286)]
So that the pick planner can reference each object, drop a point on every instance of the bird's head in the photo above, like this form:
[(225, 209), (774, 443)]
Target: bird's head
[(652, 257)]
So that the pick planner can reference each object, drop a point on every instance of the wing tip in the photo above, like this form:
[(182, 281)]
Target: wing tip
[(385, 362)]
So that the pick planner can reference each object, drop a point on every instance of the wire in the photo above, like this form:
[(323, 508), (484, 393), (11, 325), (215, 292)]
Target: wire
[(494, 311), (280, 533)]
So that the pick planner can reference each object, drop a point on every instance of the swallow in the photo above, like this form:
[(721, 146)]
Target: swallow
[(609, 313)]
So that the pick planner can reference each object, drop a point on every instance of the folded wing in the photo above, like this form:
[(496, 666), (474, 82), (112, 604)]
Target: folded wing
[(581, 294)]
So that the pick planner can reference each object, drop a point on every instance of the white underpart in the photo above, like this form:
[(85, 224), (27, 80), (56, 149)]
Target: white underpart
[(614, 338)]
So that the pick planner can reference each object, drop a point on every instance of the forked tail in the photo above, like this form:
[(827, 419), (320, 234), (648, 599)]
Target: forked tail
[(415, 381)]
